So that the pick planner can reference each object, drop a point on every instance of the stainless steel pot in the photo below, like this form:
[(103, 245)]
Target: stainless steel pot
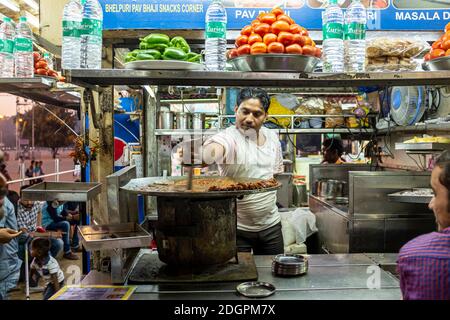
[(331, 189), (165, 120), (198, 121), (183, 120)]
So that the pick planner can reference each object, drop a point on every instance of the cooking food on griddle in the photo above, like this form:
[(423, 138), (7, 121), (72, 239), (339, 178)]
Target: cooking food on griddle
[(208, 184)]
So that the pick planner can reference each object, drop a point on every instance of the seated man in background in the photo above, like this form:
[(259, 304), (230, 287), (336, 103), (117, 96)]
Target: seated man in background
[(73, 208), (29, 218), (56, 218), (424, 262)]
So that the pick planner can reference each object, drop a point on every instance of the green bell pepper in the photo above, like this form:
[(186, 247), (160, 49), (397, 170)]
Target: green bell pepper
[(174, 54), (145, 56), (197, 58), (180, 43), (155, 38), (155, 53), (129, 58), (156, 46)]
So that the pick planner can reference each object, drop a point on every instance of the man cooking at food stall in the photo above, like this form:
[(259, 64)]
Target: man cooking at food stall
[(424, 262), (249, 150)]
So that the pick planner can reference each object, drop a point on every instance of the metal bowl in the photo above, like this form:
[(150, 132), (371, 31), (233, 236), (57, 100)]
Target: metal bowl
[(274, 63), (437, 64)]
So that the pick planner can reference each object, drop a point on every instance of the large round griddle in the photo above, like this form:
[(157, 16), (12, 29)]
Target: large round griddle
[(140, 186)]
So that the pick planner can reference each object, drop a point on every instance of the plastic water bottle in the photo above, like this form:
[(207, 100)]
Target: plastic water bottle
[(333, 38), (71, 39), (7, 35), (23, 50), (48, 58), (355, 37), (91, 35), (216, 36)]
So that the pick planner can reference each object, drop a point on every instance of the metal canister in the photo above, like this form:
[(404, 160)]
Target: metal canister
[(165, 120), (198, 121), (183, 120)]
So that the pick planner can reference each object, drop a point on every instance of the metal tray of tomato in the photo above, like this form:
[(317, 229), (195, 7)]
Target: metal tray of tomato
[(275, 62), (437, 64)]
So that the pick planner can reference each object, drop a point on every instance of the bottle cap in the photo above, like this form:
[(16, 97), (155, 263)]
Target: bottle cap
[(7, 19), (23, 19)]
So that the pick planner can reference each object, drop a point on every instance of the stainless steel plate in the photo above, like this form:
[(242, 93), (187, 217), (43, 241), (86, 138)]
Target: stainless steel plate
[(62, 191), (417, 195), (140, 186), (290, 265), (163, 65), (256, 289), (274, 63), (438, 64)]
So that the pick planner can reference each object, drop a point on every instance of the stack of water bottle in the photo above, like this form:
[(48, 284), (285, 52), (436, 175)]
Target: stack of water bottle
[(82, 35), (344, 38), (16, 49)]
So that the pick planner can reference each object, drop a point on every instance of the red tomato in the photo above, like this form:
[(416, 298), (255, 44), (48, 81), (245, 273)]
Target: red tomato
[(447, 27), (309, 50), (42, 72), (254, 38), (233, 53), (295, 28), (318, 52), (247, 30), (258, 48), (280, 26), (446, 45), (437, 45), (268, 18), (255, 23), (294, 49), (275, 47), (285, 38), (245, 49), (262, 29), (36, 56), (277, 11), (447, 53), (308, 41), (41, 65), (299, 39), (304, 32), (427, 57), (437, 53), (269, 38), (284, 17), (445, 37), (241, 40)]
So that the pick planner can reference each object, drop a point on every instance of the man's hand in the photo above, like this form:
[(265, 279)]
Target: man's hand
[(6, 235)]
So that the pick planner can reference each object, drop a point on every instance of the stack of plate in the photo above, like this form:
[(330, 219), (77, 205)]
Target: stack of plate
[(289, 265)]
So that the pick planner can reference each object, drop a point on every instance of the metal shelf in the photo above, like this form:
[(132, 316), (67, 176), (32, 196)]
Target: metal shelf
[(423, 147), (107, 77), (175, 132), (42, 90), (422, 128)]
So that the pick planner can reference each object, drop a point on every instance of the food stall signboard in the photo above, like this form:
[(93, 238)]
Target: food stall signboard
[(420, 15)]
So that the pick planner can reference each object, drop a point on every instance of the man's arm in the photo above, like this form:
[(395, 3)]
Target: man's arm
[(54, 280), (6, 235), (213, 153)]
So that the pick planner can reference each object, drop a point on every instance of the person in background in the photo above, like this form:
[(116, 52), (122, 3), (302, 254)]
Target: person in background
[(21, 162), (332, 149), (38, 171), (29, 218), (56, 218), (9, 261), (424, 263), (46, 266), (73, 208), (29, 173)]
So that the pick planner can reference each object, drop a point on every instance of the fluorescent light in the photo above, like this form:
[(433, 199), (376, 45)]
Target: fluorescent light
[(32, 4), (32, 19), (10, 4)]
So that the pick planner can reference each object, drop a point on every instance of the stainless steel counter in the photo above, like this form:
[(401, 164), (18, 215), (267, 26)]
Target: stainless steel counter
[(335, 277)]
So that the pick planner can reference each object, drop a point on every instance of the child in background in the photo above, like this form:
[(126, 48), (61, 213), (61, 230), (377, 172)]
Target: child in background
[(46, 266)]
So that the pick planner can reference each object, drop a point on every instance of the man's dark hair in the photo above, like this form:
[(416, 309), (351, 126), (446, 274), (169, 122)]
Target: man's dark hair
[(333, 144), (443, 162), (254, 93), (42, 245)]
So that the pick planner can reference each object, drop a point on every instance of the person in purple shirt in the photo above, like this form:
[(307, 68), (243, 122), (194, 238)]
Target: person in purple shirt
[(424, 262)]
